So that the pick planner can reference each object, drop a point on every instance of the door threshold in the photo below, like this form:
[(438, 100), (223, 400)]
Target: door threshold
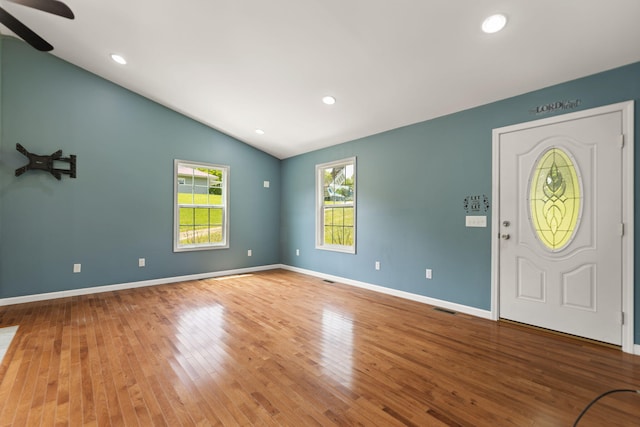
[(558, 333)]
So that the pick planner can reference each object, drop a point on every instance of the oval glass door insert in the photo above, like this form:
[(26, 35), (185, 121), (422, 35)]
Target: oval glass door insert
[(555, 199)]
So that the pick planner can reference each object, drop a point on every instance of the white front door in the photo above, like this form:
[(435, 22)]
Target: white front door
[(560, 224)]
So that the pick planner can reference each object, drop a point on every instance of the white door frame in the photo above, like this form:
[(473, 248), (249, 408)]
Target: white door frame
[(627, 109)]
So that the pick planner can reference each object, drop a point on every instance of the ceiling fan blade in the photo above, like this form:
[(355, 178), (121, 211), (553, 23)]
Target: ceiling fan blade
[(23, 31), (50, 6)]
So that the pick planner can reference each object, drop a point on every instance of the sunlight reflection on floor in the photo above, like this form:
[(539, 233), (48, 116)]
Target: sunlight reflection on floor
[(337, 346)]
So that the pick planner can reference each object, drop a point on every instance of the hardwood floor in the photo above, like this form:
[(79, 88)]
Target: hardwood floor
[(281, 348)]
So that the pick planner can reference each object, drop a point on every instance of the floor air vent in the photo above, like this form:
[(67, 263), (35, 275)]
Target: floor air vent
[(444, 310)]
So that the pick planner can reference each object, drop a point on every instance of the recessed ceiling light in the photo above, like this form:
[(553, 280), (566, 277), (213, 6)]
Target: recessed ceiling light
[(494, 23), (329, 100), (259, 131), (119, 59)]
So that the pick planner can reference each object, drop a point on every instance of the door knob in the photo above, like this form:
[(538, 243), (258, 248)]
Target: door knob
[(505, 237)]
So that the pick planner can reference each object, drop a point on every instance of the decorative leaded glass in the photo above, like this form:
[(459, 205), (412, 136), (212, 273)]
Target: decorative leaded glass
[(555, 199)]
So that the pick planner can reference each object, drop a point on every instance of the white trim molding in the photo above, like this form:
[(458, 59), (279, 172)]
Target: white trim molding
[(163, 281), (131, 285), (394, 292), (485, 314)]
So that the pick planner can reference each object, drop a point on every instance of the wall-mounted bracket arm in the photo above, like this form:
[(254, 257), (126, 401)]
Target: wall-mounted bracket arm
[(47, 163)]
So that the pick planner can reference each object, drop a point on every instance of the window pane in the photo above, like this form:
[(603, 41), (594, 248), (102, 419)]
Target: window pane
[(200, 206), (201, 225), (555, 199), (185, 185), (186, 216), (336, 205), (191, 235), (338, 184), (338, 226), (187, 235), (215, 192), (200, 186)]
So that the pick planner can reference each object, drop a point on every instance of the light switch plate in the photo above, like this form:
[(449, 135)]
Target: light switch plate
[(476, 221)]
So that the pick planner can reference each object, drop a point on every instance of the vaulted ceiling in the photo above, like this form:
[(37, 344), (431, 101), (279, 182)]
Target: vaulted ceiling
[(242, 65)]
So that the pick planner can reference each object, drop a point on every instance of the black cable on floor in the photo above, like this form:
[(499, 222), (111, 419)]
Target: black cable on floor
[(619, 390)]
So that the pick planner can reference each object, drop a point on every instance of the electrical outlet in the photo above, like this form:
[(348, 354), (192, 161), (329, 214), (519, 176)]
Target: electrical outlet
[(141, 262), (77, 268), (429, 274), (266, 184), (297, 252), (249, 253), (377, 265)]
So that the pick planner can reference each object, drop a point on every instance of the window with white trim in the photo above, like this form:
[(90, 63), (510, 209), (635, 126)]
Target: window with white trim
[(336, 205), (201, 206)]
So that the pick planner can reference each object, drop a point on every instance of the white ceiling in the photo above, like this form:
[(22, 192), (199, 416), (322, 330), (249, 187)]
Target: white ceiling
[(239, 65)]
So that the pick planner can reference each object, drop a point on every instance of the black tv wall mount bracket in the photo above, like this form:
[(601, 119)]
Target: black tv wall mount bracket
[(46, 163)]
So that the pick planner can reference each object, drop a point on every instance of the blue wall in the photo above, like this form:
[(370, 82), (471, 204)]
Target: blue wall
[(411, 185), (412, 182), (120, 207)]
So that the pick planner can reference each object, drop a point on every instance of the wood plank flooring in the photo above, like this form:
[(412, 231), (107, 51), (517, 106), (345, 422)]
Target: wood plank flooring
[(280, 348)]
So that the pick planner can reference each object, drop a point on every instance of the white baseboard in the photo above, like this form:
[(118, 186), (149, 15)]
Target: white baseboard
[(108, 288), (485, 314), (131, 285)]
